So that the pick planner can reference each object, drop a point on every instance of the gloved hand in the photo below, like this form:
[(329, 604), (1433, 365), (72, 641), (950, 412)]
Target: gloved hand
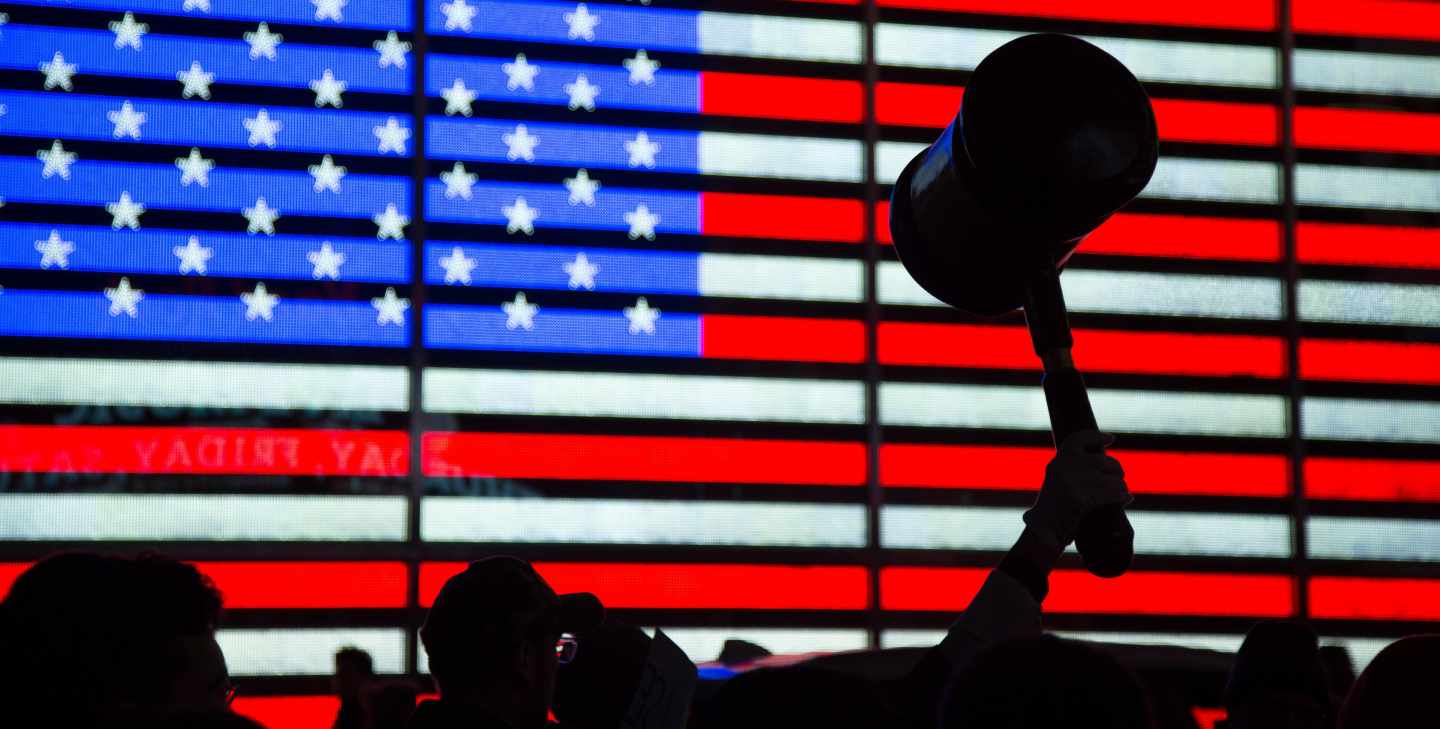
[(1079, 478)]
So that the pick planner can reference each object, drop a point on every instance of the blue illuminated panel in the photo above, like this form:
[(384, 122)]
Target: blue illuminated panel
[(559, 330), (543, 267), (545, 22), (560, 144), (380, 14), (677, 91), (679, 212)]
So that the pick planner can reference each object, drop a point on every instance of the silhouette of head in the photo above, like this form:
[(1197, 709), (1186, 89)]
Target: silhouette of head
[(1397, 689), (388, 705), (1045, 682), (353, 671), (1277, 681)]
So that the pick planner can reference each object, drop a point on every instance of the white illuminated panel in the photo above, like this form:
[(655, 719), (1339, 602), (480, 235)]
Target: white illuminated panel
[(781, 277), (891, 158), (1362, 650), (1204, 641), (705, 644), (150, 383), (1129, 411), (1367, 187), (1366, 73), (903, 638), (1179, 178), (208, 517), (1353, 537), (1353, 302), (895, 286), (799, 158), (639, 521), (603, 394), (1396, 421), (798, 39), (307, 651), (1149, 60)]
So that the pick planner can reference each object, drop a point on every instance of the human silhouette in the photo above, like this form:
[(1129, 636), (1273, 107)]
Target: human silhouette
[(354, 672), (1277, 681), (1397, 689)]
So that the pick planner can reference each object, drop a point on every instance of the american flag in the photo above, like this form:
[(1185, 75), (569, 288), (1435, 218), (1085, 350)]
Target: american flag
[(332, 296)]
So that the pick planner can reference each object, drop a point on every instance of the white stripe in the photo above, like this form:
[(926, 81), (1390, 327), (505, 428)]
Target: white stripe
[(781, 277), (1369, 303), (1130, 411), (891, 158), (1166, 533), (796, 158), (1362, 650), (705, 644), (909, 638), (604, 394), (1367, 187), (1334, 418), (196, 517), (895, 286), (1366, 73), (307, 651), (148, 383), (1149, 60), (1179, 178), (762, 36), (1204, 641), (636, 521), (1353, 537)]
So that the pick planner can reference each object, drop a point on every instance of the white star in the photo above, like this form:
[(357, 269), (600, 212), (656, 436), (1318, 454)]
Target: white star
[(520, 74), (457, 266), (458, 98), (327, 174), (262, 129), (201, 5), (57, 161), (391, 223), (125, 213), (582, 23), (582, 188), (582, 272), (58, 72), (582, 93), (520, 217), (261, 218), (642, 150), (642, 317), (329, 9), (390, 309), (327, 89), (519, 314), (194, 168), (54, 251), (520, 144), (127, 31), (193, 256), (197, 81), (642, 68), (262, 42), (392, 136), (458, 15), (123, 298), (458, 182), (642, 222), (127, 121), (259, 303), (327, 262), (392, 50)]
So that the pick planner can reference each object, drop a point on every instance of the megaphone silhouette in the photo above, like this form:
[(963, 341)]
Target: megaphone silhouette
[(1052, 137)]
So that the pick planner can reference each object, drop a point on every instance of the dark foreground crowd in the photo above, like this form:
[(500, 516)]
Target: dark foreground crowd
[(103, 642)]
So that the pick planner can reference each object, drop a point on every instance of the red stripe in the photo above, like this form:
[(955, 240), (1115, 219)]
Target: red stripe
[(1206, 717), (309, 584), (1404, 362), (1381, 131), (644, 458), (1180, 236), (1096, 350), (691, 586), (1216, 122), (1241, 14), (916, 105), (123, 449), (1146, 472), (1374, 598), (792, 339), (1347, 244), (1419, 19), (289, 712), (950, 589), (8, 572), (1366, 479), (781, 97), (882, 223), (782, 216)]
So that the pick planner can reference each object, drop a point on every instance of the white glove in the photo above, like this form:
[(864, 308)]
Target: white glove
[(1079, 478)]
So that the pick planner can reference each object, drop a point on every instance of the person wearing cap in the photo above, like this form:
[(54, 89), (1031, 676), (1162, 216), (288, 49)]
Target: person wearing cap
[(494, 640)]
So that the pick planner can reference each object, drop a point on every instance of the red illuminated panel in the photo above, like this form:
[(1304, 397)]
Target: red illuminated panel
[(808, 99), (308, 584), (950, 589), (1381, 131), (959, 345), (289, 712), (1367, 479), (916, 105), (692, 586), (790, 339), (1240, 14), (882, 222), (1374, 598), (1400, 362), (1216, 122), (644, 458), (1179, 236), (1349, 244), (9, 571), (781, 216), (1206, 718), (119, 449), (1419, 19)]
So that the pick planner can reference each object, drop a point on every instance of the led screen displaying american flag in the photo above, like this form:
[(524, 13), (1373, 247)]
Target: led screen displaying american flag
[(330, 296)]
